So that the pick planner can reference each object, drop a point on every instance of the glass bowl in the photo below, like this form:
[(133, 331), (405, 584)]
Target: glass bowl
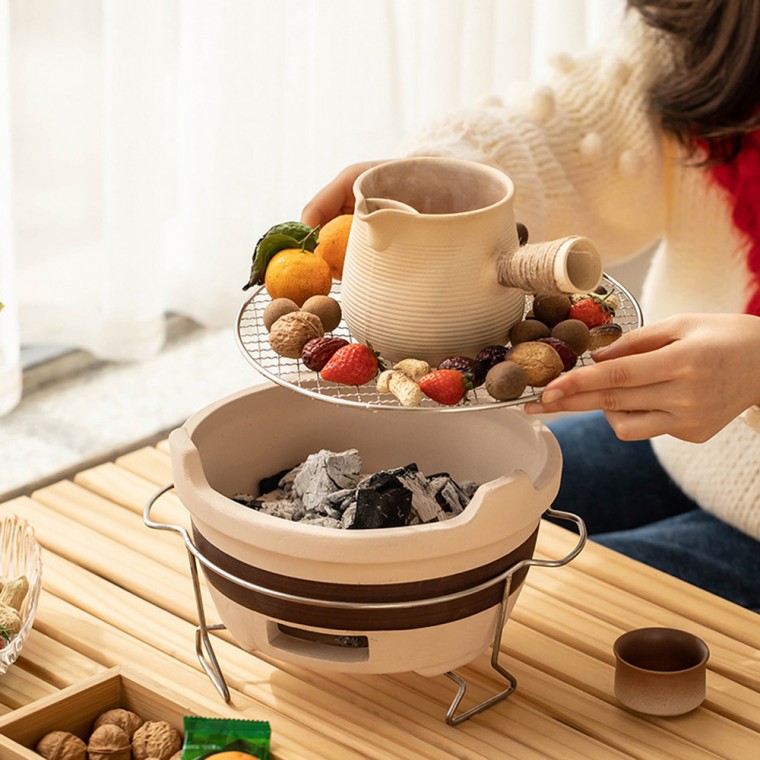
[(20, 554)]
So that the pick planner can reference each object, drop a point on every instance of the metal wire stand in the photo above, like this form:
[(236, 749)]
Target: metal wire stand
[(210, 664), (253, 341)]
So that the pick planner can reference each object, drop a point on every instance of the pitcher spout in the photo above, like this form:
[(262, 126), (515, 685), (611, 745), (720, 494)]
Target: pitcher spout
[(567, 265), (381, 216)]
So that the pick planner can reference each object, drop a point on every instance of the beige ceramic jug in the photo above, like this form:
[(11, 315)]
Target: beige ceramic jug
[(434, 267)]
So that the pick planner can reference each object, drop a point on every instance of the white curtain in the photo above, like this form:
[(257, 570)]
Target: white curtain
[(146, 144)]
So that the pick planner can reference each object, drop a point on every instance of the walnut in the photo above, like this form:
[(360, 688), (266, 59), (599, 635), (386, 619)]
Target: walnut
[(61, 745), (155, 738), (176, 756), (108, 742), (126, 720), (291, 332)]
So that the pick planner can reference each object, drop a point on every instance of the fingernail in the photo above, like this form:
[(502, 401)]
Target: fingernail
[(553, 394), (534, 407)]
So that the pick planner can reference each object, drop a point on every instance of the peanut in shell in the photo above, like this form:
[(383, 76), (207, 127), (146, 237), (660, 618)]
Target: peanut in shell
[(14, 592), (404, 389), (10, 622)]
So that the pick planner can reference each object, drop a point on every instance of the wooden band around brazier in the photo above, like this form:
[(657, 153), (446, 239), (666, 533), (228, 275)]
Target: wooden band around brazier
[(340, 618)]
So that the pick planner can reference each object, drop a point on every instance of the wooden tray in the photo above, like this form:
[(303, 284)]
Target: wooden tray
[(75, 708)]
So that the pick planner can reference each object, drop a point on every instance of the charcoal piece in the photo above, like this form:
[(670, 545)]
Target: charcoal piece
[(351, 641), (382, 502), (381, 476), (324, 473), (424, 504), (284, 508), (286, 481), (246, 499), (271, 482), (468, 489), (448, 493), (451, 498), (327, 489), (348, 516), (339, 501)]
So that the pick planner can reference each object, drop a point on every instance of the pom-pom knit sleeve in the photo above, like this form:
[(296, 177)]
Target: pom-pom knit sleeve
[(585, 152)]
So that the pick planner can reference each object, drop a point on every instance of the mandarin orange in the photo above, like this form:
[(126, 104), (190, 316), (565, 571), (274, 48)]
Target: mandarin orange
[(333, 241), (297, 275)]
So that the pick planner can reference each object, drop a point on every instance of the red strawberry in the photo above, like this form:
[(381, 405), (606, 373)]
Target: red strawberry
[(354, 364), (446, 386), (592, 310)]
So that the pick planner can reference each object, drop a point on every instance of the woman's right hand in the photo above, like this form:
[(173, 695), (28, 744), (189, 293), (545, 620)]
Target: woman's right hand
[(335, 198)]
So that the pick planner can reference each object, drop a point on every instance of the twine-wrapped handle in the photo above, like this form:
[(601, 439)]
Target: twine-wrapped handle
[(567, 265)]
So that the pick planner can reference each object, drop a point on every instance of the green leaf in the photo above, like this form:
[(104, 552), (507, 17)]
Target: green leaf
[(297, 230)]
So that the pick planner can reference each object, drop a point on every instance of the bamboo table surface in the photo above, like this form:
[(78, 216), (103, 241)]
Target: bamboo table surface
[(116, 593)]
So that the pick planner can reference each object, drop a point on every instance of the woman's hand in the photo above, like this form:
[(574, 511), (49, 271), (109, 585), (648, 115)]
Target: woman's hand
[(687, 376), (336, 198)]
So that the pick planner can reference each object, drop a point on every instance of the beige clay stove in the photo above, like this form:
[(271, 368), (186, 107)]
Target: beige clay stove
[(230, 445)]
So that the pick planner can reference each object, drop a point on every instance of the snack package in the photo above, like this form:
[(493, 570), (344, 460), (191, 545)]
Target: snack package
[(225, 739)]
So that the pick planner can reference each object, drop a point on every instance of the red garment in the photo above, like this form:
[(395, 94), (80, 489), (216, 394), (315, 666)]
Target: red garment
[(741, 178)]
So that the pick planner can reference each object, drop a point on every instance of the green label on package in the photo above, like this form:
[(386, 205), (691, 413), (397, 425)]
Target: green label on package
[(225, 739)]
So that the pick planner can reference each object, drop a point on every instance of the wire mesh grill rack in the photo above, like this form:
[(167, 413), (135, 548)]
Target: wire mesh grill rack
[(253, 340)]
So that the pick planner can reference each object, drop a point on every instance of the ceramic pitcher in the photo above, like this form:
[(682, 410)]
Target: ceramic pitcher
[(434, 267)]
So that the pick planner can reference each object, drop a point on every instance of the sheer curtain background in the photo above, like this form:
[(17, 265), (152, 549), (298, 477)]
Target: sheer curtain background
[(145, 145)]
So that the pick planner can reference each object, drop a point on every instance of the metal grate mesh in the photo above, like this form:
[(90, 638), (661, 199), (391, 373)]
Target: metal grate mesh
[(254, 342)]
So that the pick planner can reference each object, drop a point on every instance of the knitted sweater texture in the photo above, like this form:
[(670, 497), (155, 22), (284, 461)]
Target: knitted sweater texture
[(588, 157)]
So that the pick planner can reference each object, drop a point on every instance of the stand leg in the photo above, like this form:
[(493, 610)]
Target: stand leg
[(455, 720), (451, 718), (203, 648)]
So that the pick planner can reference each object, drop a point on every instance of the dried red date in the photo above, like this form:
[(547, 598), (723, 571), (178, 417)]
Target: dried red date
[(318, 351)]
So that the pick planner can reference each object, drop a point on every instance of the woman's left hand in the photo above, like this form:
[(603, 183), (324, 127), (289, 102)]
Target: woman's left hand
[(687, 376)]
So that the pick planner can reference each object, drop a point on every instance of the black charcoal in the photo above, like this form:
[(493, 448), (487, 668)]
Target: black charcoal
[(327, 489), (424, 503), (383, 502)]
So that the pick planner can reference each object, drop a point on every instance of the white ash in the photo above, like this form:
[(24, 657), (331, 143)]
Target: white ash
[(321, 474), (325, 522), (324, 490), (348, 516)]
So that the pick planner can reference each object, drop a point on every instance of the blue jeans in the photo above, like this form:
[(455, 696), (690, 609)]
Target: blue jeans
[(631, 505)]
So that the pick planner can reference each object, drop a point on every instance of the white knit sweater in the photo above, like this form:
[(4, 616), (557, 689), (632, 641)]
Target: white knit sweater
[(587, 157)]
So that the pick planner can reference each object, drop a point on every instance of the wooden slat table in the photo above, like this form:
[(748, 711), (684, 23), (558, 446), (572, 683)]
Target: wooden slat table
[(117, 593)]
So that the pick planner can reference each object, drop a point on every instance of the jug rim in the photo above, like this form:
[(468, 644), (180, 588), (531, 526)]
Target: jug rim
[(492, 171)]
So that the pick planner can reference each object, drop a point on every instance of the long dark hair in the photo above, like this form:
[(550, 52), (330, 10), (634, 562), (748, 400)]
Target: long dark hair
[(712, 96)]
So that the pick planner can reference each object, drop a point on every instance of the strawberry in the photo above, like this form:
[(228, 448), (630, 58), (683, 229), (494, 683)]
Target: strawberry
[(446, 386), (354, 364), (592, 310)]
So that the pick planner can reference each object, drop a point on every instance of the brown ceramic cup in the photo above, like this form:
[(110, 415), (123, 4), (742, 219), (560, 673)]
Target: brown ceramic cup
[(660, 671)]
